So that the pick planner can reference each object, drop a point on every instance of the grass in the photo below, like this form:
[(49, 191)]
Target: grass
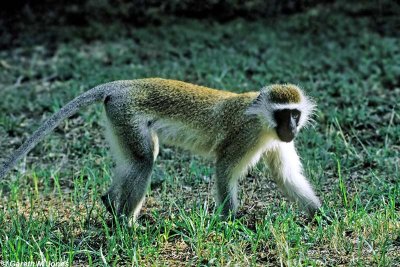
[(50, 208)]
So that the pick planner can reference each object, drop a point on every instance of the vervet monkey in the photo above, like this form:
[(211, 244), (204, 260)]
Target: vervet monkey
[(236, 130)]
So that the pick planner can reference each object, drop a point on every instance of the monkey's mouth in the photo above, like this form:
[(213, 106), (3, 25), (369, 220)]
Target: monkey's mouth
[(286, 136), (286, 139)]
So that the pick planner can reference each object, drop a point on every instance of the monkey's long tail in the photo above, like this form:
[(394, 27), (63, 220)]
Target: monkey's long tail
[(93, 95)]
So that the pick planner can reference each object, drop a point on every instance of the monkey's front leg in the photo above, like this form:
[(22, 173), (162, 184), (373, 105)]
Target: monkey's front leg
[(285, 165)]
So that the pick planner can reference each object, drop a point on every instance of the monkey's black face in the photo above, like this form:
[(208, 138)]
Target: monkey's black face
[(287, 121)]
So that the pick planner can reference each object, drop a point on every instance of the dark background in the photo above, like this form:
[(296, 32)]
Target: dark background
[(37, 20)]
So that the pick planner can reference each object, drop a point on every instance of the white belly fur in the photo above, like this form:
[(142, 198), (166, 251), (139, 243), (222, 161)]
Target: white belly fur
[(186, 137)]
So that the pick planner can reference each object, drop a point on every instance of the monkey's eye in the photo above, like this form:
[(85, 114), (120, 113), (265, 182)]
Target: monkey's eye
[(296, 115)]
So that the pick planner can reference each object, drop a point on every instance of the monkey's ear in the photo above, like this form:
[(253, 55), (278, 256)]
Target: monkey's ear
[(260, 98), (254, 106), (262, 108), (257, 107), (260, 101)]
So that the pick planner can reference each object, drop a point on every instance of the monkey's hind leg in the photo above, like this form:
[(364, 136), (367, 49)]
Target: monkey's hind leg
[(286, 169), (135, 148), (226, 187)]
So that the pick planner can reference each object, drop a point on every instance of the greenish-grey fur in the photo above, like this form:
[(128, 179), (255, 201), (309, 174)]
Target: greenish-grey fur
[(198, 118), (215, 112), (285, 93), (213, 109)]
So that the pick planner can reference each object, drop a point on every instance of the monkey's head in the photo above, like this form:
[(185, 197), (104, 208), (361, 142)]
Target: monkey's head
[(283, 107)]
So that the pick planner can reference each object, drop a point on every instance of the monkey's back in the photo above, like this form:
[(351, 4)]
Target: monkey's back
[(184, 101)]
